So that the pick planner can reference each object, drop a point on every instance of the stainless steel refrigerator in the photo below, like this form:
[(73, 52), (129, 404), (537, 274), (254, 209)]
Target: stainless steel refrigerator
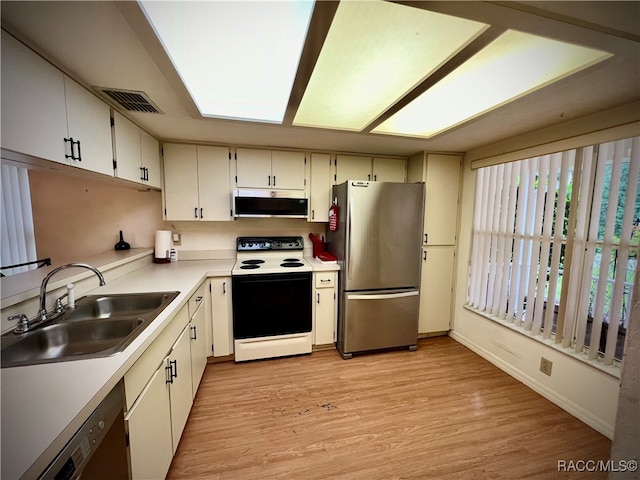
[(377, 243)]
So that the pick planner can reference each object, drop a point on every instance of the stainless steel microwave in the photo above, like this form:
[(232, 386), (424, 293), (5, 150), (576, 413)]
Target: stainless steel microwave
[(270, 203)]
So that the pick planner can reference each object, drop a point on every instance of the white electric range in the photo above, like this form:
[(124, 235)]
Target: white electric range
[(272, 298)]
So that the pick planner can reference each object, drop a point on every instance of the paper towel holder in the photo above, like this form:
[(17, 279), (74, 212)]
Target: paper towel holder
[(162, 244)]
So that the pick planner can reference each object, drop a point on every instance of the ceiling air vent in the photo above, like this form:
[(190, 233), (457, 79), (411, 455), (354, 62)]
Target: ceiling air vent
[(131, 100)]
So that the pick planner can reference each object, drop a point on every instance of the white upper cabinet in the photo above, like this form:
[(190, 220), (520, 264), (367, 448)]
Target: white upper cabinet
[(270, 169), (288, 170), (320, 190), (253, 168), (389, 170), (352, 167), (89, 124), (47, 115), (378, 169), (441, 174), (150, 156), (137, 153), (214, 192), (196, 182)]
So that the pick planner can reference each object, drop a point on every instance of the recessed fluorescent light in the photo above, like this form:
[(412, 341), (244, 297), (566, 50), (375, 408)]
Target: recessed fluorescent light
[(237, 59), (510, 67), (376, 52)]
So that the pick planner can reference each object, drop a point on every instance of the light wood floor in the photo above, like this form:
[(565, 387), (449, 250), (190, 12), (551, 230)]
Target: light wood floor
[(440, 412)]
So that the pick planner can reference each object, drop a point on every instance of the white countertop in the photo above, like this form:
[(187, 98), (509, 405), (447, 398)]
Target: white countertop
[(44, 405)]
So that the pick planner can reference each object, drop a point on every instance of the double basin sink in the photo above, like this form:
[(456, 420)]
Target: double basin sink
[(98, 326)]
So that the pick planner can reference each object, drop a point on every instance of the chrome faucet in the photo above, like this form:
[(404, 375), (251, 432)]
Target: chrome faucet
[(42, 313)]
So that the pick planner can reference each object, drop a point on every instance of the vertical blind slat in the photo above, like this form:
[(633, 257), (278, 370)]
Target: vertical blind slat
[(623, 250), (605, 258), (567, 163), (511, 175), (551, 183)]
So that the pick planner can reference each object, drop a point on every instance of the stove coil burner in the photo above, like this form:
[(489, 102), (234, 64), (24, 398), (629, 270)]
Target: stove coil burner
[(291, 264), (252, 262), (250, 266)]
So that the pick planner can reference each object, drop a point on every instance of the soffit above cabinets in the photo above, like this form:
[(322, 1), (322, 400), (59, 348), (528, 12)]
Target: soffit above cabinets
[(378, 77)]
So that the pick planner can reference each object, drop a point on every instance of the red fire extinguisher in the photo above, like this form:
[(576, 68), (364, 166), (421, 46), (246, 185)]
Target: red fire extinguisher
[(334, 213)]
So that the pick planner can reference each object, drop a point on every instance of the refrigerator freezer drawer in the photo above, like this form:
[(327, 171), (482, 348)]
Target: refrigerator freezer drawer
[(377, 320)]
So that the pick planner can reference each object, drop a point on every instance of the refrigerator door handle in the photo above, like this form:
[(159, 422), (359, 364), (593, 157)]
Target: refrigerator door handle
[(348, 220), (382, 296)]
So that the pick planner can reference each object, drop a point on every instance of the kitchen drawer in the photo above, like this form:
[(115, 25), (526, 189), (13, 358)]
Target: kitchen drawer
[(325, 280), (196, 300), (139, 374)]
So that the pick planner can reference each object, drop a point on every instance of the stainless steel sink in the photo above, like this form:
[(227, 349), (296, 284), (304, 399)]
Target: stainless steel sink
[(99, 326), (107, 306)]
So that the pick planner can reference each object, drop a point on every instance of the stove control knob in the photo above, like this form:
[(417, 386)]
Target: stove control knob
[(243, 244)]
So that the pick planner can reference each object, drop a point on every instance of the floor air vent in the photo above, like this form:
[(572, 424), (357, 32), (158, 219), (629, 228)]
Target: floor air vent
[(131, 100)]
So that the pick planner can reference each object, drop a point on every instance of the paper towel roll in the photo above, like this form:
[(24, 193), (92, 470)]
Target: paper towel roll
[(163, 243)]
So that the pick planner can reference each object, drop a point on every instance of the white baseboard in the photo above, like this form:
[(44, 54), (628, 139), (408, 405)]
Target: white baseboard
[(551, 395)]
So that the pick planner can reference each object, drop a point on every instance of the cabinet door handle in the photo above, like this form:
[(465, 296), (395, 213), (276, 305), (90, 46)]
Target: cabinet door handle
[(274, 180), (146, 173), (195, 333), (426, 238), (142, 173), (424, 255), (224, 288), (375, 178), (174, 369), (369, 177), (318, 297), (169, 373), (195, 212), (201, 214), (79, 152), (73, 153), (313, 214), (269, 180)]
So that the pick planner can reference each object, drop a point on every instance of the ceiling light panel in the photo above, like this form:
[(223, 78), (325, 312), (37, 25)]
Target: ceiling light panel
[(375, 53), (237, 59), (510, 67)]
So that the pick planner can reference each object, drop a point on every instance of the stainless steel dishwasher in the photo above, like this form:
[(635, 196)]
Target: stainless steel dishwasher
[(98, 449)]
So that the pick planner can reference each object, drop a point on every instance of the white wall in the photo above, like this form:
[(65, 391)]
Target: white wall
[(221, 236), (584, 391)]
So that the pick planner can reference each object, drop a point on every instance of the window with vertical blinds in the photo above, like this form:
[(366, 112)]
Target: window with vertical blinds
[(555, 245), (17, 232)]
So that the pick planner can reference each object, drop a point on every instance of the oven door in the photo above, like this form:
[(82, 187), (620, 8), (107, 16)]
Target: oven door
[(271, 304)]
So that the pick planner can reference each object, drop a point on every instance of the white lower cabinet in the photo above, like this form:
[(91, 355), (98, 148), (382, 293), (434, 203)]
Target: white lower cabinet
[(149, 429), (198, 335), (436, 288), (222, 326), (160, 387), (325, 308), (180, 386)]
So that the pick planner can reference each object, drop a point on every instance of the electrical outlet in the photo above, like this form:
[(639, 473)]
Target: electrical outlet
[(545, 366), (176, 239)]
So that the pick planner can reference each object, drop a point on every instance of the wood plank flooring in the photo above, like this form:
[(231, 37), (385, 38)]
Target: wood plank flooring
[(439, 412)]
